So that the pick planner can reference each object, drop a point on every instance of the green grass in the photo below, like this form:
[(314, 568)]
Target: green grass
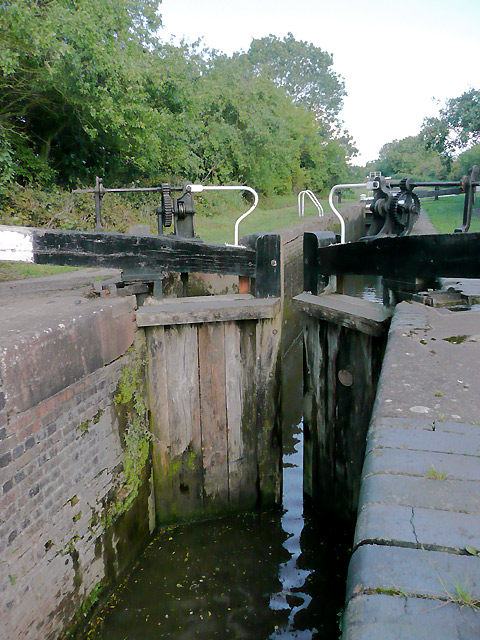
[(17, 271), (220, 227), (270, 215), (446, 214)]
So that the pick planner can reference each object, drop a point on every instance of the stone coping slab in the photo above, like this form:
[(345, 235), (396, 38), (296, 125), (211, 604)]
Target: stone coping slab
[(415, 572), (424, 440), (383, 617), (434, 465), (414, 491), (419, 506), (391, 524)]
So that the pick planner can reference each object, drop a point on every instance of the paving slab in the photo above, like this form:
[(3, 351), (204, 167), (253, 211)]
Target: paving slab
[(383, 617), (434, 464), (433, 529), (447, 495), (424, 440), (429, 574)]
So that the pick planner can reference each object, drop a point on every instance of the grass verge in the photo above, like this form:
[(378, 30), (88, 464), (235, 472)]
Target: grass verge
[(446, 214)]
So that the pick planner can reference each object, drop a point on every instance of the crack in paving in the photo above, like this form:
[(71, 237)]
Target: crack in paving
[(413, 527)]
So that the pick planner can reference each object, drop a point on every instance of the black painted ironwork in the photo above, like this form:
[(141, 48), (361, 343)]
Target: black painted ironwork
[(178, 210), (396, 204)]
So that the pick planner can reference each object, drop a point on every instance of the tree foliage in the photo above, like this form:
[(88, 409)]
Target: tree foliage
[(456, 127), (87, 89), (409, 158), (302, 70), (465, 161)]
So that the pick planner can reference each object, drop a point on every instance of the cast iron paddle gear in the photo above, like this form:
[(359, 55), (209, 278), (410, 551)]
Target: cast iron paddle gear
[(396, 207), (405, 208), (167, 205)]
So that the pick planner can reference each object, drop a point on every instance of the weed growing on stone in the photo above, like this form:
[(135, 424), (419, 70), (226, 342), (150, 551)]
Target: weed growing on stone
[(463, 595), (435, 474)]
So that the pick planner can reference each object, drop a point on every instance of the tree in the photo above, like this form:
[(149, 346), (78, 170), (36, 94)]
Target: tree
[(409, 158), (456, 127), (465, 162), (248, 130), (71, 84), (303, 71)]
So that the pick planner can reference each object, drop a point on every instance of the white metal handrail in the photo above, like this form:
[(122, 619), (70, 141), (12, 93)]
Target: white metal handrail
[(332, 206), (313, 198), (198, 188)]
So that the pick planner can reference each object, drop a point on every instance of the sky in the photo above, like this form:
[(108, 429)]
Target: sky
[(400, 61)]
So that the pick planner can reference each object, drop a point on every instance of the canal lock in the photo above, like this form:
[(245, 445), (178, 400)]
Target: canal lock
[(267, 573)]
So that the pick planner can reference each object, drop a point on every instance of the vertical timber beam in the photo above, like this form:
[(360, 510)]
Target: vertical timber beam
[(268, 282), (312, 242)]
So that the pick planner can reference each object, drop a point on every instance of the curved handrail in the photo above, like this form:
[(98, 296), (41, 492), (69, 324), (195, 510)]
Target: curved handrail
[(198, 188), (330, 202), (313, 198)]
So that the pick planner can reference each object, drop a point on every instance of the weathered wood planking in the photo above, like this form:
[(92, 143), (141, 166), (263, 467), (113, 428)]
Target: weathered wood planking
[(179, 490), (240, 365), (348, 311), (123, 251), (213, 411), (342, 369), (267, 399), (313, 377), (160, 422), (207, 309)]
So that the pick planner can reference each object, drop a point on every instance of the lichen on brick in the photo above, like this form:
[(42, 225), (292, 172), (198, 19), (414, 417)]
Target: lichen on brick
[(132, 412)]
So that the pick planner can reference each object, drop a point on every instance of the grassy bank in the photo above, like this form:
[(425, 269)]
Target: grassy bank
[(446, 214)]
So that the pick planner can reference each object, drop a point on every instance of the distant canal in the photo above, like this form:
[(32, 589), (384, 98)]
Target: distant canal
[(272, 574)]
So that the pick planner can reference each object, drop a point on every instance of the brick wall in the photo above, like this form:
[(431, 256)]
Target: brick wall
[(61, 457)]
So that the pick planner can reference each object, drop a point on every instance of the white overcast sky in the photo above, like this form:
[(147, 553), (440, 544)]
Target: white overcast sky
[(398, 59)]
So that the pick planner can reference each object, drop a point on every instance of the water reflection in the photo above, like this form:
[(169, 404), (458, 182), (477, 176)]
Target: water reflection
[(366, 287), (293, 596)]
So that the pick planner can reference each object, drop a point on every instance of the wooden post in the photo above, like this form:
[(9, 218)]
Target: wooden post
[(268, 283), (312, 241)]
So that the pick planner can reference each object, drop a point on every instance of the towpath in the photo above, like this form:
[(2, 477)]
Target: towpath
[(415, 570)]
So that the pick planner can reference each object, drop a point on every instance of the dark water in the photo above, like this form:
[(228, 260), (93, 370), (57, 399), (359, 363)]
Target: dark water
[(276, 574)]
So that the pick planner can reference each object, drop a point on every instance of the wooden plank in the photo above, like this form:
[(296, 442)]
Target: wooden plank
[(353, 313), (268, 402), (213, 412), (124, 251), (185, 461), (313, 418), (159, 423), (206, 309), (453, 255), (240, 364)]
